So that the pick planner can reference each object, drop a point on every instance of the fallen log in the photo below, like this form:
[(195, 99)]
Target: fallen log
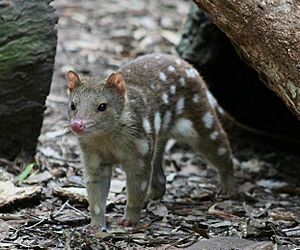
[(237, 86), (266, 34)]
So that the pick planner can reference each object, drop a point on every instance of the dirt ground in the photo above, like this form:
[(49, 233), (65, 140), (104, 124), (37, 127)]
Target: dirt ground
[(94, 38)]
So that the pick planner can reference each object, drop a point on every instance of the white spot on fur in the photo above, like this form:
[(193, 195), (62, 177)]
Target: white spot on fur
[(182, 82), (178, 61), (167, 120), (192, 73), (184, 127), (145, 66), (221, 151), (157, 57), (196, 98), (146, 125), (97, 209), (162, 76), (214, 135), (144, 186), (220, 110), (180, 105), (173, 89), (143, 146), (171, 68), (208, 120), (213, 102), (157, 122), (170, 143), (187, 71), (128, 70), (165, 98)]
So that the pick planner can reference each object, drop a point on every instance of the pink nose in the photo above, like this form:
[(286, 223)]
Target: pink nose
[(77, 126)]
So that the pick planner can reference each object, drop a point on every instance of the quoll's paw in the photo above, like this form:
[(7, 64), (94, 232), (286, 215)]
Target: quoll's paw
[(157, 189), (127, 222), (95, 227), (156, 194), (227, 183), (89, 229), (227, 189)]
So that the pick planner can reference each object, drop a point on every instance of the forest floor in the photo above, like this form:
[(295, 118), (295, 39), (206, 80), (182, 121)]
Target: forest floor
[(49, 209)]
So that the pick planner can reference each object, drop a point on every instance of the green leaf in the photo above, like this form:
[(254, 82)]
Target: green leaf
[(26, 172)]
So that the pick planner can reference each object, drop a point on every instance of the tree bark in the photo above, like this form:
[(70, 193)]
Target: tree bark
[(260, 116), (27, 50), (266, 34)]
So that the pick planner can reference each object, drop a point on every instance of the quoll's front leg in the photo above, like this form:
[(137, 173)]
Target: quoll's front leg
[(138, 177), (98, 178)]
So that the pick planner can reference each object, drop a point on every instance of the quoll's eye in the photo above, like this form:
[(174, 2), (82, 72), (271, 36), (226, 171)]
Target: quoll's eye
[(102, 107), (73, 107)]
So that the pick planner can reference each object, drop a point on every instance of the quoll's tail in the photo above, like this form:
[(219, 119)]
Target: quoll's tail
[(241, 132)]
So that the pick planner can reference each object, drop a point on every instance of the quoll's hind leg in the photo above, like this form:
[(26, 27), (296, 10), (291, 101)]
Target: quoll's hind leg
[(210, 140), (222, 160), (214, 145), (157, 186)]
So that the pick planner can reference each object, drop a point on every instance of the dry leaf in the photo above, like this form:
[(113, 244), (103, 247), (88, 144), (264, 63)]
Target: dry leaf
[(10, 194)]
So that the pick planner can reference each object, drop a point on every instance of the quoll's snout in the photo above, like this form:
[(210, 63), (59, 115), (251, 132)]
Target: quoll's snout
[(77, 126)]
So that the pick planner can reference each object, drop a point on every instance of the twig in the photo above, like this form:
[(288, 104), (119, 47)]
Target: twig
[(183, 245), (222, 214), (36, 224), (62, 159), (52, 216), (11, 217), (182, 203), (187, 244), (77, 210), (69, 222), (6, 162)]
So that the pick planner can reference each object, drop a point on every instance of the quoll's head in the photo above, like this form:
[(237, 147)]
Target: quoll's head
[(95, 106)]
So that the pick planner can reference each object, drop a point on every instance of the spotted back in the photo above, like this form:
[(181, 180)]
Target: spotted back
[(171, 89)]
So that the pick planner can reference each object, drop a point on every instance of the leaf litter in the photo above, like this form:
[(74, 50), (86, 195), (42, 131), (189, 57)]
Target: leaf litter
[(49, 208)]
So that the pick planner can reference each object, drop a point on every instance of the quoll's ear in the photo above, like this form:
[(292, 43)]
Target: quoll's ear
[(73, 80), (116, 80)]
